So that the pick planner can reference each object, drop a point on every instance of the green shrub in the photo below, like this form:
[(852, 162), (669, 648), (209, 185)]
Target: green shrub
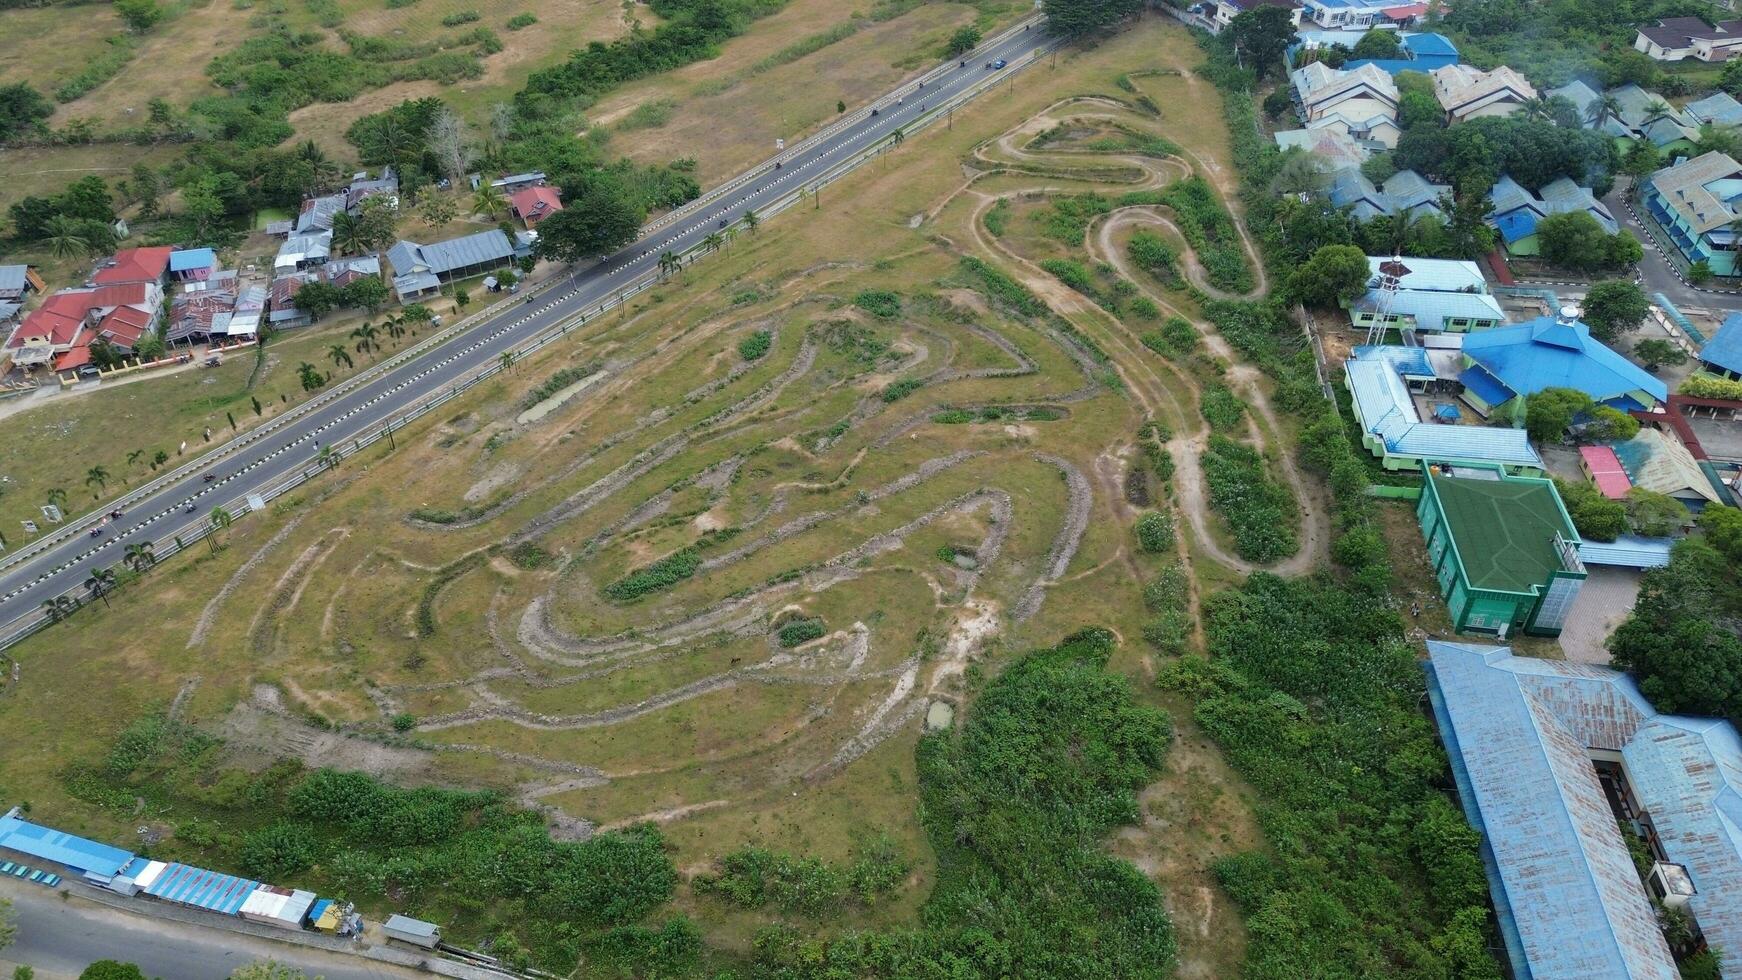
[(661, 575), (801, 631), (898, 390), (1209, 228), (1222, 408), (1003, 290), (460, 17), (1155, 532), (756, 345), (519, 21), (1258, 511), (998, 217), (557, 382), (880, 303), (529, 556)]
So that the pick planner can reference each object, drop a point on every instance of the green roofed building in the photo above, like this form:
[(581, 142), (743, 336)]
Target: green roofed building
[(1503, 549)]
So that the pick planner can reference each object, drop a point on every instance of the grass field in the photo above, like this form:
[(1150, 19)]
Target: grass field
[(933, 461)]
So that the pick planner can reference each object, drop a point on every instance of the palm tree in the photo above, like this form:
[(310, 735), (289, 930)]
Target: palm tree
[(59, 608), (1602, 109), (340, 355), (66, 240), (751, 220), (139, 556), (97, 478), (349, 234), (1536, 108), (328, 457), (395, 328), (1656, 109), (57, 497), (365, 336), (221, 521), (506, 359), (100, 584), (669, 263), (713, 241), (488, 200)]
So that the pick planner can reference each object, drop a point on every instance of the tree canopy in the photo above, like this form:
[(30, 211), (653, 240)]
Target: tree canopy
[(1574, 240), (1614, 307), (1335, 272), (1260, 37), (599, 220), (22, 110), (1678, 642), (1072, 18)]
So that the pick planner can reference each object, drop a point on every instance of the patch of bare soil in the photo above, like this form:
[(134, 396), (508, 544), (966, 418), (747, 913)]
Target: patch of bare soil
[(259, 732)]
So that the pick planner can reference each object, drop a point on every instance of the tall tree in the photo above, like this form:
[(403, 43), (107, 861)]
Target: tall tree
[(446, 141), (1260, 37), (1072, 18), (22, 110), (1614, 307), (604, 218)]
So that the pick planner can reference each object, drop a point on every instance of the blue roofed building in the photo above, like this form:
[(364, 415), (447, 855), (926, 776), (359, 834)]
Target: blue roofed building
[(1517, 210), (1403, 191), (1552, 352), (192, 264), (1416, 296), (1722, 355), (1384, 382), (1695, 202), (81, 856), (1363, 14), (1417, 51), (1718, 109), (1554, 761)]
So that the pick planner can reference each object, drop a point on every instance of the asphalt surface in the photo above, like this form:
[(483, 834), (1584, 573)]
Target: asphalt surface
[(59, 938), (367, 407)]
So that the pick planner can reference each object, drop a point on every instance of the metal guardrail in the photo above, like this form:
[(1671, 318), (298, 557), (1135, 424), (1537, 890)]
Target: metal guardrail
[(28, 625)]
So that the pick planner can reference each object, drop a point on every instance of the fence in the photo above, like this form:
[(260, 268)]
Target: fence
[(29, 623)]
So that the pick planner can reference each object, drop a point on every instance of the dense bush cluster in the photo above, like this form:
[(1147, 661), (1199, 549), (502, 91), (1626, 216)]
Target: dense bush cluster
[(753, 877), (880, 303), (661, 575), (1258, 510), (1210, 230), (1313, 695), (470, 860), (1155, 532), (1222, 408), (801, 631), (898, 390), (1156, 255), (1166, 600), (753, 347), (1017, 804)]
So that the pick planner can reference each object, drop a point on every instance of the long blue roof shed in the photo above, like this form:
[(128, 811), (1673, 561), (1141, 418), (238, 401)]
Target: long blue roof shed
[(46, 844), (1524, 736), (1723, 352)]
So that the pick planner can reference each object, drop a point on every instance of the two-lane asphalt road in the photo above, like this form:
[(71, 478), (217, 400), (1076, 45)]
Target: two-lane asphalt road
[(182, 505)]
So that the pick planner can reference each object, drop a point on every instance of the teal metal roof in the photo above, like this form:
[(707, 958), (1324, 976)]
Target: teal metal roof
[(1388, 412)]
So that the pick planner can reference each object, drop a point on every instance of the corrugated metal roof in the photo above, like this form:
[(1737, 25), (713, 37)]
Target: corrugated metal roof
[(200, 888), (1389, 412), (1606, 471), (411, 927), (184, 259), (1547, 353), (1439, 275), (62, 848), (1724, 350), (1627, 551), (12, 279), (1663, 465), (1572, 900), (1719, 109), (478, 249), (1430, 309)]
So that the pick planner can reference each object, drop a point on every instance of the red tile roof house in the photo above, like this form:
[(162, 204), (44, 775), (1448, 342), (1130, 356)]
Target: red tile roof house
[(147, 264), (61, 331), (534, 204)]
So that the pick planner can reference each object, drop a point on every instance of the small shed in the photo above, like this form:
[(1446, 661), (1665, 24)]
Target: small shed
[(414, 931)]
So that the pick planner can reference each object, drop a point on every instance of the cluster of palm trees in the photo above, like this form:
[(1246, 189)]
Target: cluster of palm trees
[(141, 557), (671, 262)]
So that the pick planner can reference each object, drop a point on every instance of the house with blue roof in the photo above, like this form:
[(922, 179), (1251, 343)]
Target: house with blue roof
[(192, 264), (1363, 14), (1552, 352), (1717, 109), (1722, 355), (1383, 383), (1698, 204), (1517, 210), (1554, 763)]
